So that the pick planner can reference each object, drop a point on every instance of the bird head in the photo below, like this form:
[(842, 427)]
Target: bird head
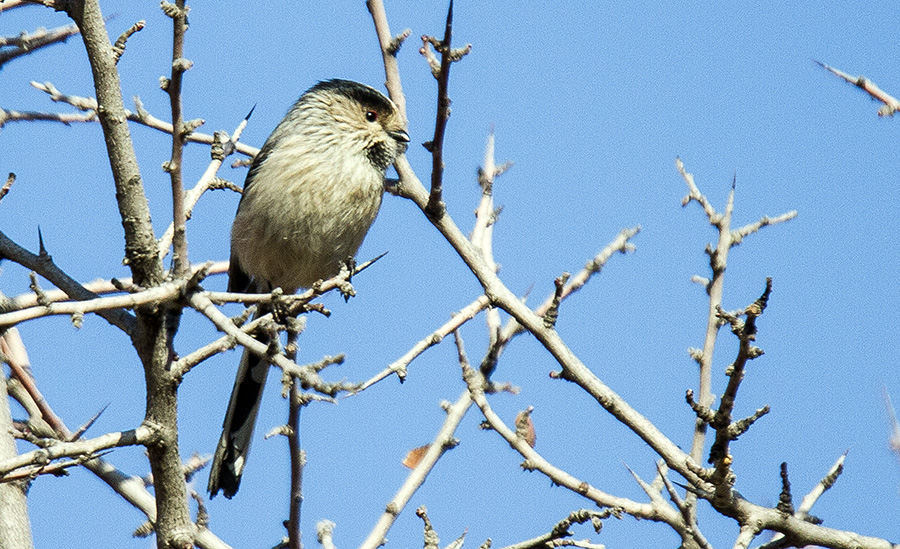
[(375, 125)]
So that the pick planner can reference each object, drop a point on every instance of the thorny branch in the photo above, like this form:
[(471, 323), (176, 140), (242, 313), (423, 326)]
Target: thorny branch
[(574, 370), (535, 462), (43, 265), (718, 260), (54, 449), (131, 488)]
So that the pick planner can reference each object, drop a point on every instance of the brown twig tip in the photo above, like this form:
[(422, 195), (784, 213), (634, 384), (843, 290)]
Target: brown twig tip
[(10, 179), (785, 500), (756, 309), (397, 41), (552, 314)]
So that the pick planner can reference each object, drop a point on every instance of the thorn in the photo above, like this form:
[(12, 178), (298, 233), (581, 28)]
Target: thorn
[(249, 114), (449, 25), (367, 264), (88, 425), (42, 251)]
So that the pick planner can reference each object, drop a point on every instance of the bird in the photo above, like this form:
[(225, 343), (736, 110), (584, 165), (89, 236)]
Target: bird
[(309, 198)]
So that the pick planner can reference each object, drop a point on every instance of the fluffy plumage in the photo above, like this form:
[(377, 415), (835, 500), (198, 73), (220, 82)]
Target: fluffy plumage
[(310, 196)]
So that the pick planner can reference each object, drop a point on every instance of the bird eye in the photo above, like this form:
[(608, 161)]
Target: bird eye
[(371, 116)]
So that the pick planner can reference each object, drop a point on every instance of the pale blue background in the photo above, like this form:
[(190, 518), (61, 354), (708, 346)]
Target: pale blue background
[(593, 101)]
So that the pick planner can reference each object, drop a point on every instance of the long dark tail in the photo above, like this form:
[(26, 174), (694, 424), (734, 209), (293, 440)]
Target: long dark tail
[(237, 430)]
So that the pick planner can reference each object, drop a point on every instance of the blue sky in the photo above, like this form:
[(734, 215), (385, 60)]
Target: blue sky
[(593, 102)]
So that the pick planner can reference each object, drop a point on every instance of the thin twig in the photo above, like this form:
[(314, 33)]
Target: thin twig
[(442, 442), (296, 455), (891, 105), (389, 46), (142, 435), (718, 259), (535, 462), (99, 287), (222, 147), (129, 487), (43, 265), (89, 105), (119, 46), (27, 43), (464, 315), (7, 115), (174, 166), (561, 529), (436, 205), (157, 294)]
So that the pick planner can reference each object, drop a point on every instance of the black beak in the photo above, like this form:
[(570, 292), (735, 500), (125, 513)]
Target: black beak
[(399, 135)]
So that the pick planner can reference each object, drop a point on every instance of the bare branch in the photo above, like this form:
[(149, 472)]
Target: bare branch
[(465, 314), (7, 5), (54, 449), (535, 462), (222, 147), (722, 422), (27, 43), (139, 116), (43, 265), (99, 287), (157, 294), (779, 541), (561, 529), (65, 118), (737, 236), (443, 441), (691, 528), (435, 207), (390, 45), (178, 13), (308, 377), (890, 106)]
